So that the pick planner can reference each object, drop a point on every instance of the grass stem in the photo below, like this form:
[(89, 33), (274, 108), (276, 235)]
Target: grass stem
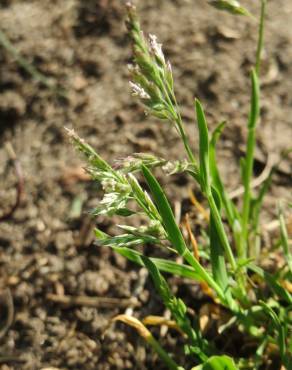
[(163, 354), (249, 162)]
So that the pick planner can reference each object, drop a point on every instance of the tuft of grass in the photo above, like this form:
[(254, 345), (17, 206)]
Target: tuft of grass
[(258, 302)]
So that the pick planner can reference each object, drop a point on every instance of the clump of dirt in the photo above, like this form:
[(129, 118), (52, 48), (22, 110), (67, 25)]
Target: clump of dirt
[(47, 251)]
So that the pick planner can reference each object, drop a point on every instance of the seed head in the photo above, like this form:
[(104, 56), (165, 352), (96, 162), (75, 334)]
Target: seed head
[(132, 22), (175, 167), (73, 135), (156, 49), (108, 184), (137, 90)]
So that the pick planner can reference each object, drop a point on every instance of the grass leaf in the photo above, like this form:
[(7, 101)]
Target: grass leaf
[(230, 209), (272, 282), (204, 147), (218, 260), (249, 160), (176, 307), (174, 233), (164, 265), (280, 329), (285, 239)]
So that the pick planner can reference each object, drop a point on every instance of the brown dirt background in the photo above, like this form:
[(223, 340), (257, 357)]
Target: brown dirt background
[(46, 248)]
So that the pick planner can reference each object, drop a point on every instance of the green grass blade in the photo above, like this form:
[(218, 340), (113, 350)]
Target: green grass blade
[(163, 265), (258, 201), (249, 160), (165, 212), (285, 239), (280, 329), (255, 211), (142, 199), (206, 181), (230, 209), (272, 282), (221, 232), (100, 235), (254, 112), (204, 147), (168, 361), (232, 214), (174, 233), (176, 307), (159, 282), (218, 260)]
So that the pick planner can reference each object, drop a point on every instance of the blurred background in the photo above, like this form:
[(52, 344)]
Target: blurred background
[(64, 63)]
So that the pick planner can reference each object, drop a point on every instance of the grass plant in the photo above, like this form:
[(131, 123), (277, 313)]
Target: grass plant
[(258, 302)]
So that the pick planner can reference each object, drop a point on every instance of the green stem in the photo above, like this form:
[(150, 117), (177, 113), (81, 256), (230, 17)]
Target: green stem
[(169, 94), (183, 134), (247, 179), (253, 117), (227, 248), (186, 141), (249, 162), (187, 255), (172, 103)]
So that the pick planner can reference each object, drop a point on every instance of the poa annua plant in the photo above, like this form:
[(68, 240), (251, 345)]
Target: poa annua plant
[(232, 272)]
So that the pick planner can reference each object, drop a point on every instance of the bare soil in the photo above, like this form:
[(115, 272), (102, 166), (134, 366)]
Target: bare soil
[(46, 246)]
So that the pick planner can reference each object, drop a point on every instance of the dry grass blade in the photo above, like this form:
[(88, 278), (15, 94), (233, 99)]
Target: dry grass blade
[(161, 321), (198, 206), (135, 323), (205, 288), (145, 333)]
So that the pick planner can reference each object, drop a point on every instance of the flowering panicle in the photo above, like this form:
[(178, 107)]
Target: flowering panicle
[(152, 80), (128, 240), (120, 186), (154, 229), (137, 90), (143, 199), (156, 50), (134, 162), (173, 167), (92, 157), (151, 74), (153, 233), (117, 190)]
